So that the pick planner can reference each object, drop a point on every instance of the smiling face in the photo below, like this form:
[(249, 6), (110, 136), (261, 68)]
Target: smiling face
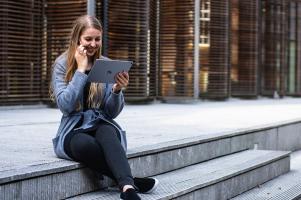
[(91, 40)]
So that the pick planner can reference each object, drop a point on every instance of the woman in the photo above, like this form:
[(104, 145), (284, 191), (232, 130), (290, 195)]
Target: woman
[(88, 133)]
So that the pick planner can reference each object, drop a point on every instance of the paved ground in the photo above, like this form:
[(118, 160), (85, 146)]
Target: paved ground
[(26, 132)]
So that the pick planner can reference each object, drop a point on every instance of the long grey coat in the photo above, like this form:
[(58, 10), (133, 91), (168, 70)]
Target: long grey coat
[(68, 94)]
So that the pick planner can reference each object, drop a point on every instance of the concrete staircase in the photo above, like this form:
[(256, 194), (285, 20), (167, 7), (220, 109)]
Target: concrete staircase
[(284, 187), (208, 167), (220, 178)]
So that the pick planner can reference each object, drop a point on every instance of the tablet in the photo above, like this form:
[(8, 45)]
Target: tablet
[(104, 71)]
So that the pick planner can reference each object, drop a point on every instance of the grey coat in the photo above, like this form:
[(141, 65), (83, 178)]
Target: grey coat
[(68, 94)]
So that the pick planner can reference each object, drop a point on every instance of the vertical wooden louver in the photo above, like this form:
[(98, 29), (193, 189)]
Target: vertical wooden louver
[(244, 43), (20, 39), (294, 49), (298, 48), (59, 21), (204, 45), (153, 57), (176, 40), (129, 39), (217, 73), (274, 23), (159, 36), (99, 10)]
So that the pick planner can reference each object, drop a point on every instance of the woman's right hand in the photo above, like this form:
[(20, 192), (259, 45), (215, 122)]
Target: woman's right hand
[(81, 58)]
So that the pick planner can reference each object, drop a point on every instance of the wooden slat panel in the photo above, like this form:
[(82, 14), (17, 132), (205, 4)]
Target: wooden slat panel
[(298, 48), (176, 48), (134, 33), (20, 51), (294, 49), (60, 16), (99, 11), (128, 38), (153, 58), (204, 45), (245, 55), (274, 63), (214, 81)]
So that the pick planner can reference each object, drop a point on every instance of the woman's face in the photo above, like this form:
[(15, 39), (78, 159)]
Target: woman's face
[(91, 40)]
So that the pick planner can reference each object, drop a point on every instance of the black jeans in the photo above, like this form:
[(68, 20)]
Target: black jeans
[(101, 150)]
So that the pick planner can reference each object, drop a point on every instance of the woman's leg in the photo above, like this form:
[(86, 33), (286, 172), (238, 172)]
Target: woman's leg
[(115, 156), (84, 148)]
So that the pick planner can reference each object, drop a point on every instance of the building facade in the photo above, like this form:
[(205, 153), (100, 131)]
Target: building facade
[(182, 50)]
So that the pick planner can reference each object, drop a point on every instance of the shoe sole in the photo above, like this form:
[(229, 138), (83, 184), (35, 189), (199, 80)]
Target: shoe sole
[(154, 187)]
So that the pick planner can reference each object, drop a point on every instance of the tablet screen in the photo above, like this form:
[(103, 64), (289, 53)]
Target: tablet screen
[(104, 71)]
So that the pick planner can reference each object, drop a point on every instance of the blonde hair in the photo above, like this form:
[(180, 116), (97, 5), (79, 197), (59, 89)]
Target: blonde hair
[(80, 25)]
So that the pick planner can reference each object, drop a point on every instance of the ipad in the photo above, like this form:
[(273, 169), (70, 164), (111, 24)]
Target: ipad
[(104, 71)]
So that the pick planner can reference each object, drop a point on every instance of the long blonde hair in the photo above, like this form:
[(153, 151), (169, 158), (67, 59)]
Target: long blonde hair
[(79, 26)]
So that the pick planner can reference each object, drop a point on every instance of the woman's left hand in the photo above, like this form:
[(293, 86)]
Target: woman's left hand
[(122, 81)]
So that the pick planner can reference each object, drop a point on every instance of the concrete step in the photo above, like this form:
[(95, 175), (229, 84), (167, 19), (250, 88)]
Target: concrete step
[(284, 187), (50, 178), (217, 179)]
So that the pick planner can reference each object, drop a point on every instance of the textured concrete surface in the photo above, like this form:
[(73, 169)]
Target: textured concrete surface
[(289, 137), (284, 187), (54, 186), (26, 132), (225, 176)]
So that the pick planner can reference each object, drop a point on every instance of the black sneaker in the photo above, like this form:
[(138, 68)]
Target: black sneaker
[(146, 185), (129, 194)]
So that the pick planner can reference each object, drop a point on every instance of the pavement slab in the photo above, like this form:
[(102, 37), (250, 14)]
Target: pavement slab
[(26, 132)]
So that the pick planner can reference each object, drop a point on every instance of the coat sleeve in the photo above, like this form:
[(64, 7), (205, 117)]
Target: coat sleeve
[(67, 94), (114, 103)]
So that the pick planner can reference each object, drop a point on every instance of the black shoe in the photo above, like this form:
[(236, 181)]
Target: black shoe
[(146, 185), (129, 194)]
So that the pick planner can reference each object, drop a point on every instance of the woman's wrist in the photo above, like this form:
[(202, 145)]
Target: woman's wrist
[(81, 70), (116, 89)]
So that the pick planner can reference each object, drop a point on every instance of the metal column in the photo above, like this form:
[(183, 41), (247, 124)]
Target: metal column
[(196, 48), (91, 7)]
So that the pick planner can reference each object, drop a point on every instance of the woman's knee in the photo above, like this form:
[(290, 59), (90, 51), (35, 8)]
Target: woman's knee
[(106, 130)]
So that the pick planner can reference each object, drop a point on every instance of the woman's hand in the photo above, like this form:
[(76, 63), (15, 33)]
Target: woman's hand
[(81, 58), (122, 81)]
